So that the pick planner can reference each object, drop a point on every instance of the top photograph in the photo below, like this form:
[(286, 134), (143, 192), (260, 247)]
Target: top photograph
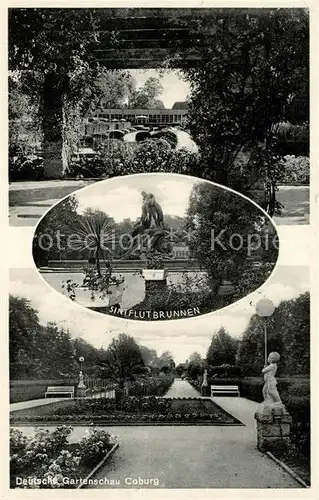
[(220, 94)]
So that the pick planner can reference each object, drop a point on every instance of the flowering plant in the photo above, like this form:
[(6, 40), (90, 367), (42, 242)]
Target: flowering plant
[(46, 457)]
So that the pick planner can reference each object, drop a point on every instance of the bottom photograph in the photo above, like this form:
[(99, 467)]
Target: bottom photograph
[(217, 401)]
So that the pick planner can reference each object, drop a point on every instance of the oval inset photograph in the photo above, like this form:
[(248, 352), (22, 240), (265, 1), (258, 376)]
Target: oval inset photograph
[(155, 247)]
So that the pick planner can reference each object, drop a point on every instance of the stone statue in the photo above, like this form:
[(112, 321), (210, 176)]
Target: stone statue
[(150, 229), (81, 380), (272, 418), (270, 392), (152, 213), (205, 389)]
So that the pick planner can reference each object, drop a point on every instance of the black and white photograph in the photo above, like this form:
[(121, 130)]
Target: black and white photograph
[(173, 406), (160, 286), (221, 94), (161, 246)]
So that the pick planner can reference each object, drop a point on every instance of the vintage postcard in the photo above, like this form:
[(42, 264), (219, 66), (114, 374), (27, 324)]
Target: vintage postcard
[(160, 276)]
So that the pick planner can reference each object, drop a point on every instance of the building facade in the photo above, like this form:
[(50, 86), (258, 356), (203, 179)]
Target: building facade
[(143, 116)]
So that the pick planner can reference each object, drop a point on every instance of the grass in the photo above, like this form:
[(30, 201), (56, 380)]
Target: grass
[(169, 411)]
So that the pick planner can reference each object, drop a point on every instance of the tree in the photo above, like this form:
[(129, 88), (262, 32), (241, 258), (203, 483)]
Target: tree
[(92, 356), (94, 234), (149, 356), (24, 327), (146, 97), (180, 369), (195, 357), (50, 240), (55, 48), (57, 353), (166, 362), (258, 63), (222, 349), (24, 130), (120, 359), (214, 218), (288, 332)]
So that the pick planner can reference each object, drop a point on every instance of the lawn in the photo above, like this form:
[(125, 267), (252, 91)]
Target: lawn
[(128, 411)]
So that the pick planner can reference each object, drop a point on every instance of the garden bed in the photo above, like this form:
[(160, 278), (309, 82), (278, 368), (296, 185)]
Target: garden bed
[(127, 411), (48, 460)]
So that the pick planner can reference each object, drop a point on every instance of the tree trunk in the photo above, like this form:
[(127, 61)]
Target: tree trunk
[(55, 161)]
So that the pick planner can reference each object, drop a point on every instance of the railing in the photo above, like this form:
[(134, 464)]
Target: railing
[(107, 394)]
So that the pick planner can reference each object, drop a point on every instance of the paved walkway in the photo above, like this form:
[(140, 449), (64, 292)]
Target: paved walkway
[(181, 389), (30, 200), (22, 405), (188, 457)]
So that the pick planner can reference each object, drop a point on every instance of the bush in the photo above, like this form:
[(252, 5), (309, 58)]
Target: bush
[(286, 131), (22, 167), (48, 456), (95, 446), (225, 371), (147, 156), (295, 170), (152, 386), (109, 162)]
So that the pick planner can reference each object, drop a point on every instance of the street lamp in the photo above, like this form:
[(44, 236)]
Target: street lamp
[(264, 309), (81, 359)]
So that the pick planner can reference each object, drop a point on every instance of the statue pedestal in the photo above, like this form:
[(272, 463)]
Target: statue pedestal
[(273, 426), (155, 283), (80, 391), (154, 275), (205, 390)]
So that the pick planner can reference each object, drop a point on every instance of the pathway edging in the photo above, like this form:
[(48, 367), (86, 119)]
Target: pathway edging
[(287, 469), (98, 466)]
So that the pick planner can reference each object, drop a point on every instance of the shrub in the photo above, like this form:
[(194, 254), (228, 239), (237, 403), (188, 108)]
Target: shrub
[(24, 390), (295, 170), (95, 446), (296, 397), (87, 168), (22, 167), (286, 131), (152, 386), (150, 155), (47, 455)]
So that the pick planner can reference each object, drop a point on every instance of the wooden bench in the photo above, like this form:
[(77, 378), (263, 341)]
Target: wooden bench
[(224, 389), (59, 389)]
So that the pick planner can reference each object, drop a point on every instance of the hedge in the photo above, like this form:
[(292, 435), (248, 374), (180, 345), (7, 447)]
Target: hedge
[(24, 390), (295, 394)]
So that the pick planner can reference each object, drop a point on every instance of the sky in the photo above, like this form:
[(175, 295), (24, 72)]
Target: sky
[(174, 88), (181, 337), (122, 201)]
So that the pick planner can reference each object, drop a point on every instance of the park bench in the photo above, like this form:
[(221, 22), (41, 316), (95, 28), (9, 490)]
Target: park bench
[(60, 390), (224, 389)]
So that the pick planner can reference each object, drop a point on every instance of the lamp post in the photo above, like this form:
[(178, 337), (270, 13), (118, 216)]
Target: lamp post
[(264, 309)]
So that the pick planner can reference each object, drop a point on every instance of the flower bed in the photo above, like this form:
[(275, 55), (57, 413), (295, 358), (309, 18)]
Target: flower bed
[(150, 386), (129, 410), (47, 460)]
